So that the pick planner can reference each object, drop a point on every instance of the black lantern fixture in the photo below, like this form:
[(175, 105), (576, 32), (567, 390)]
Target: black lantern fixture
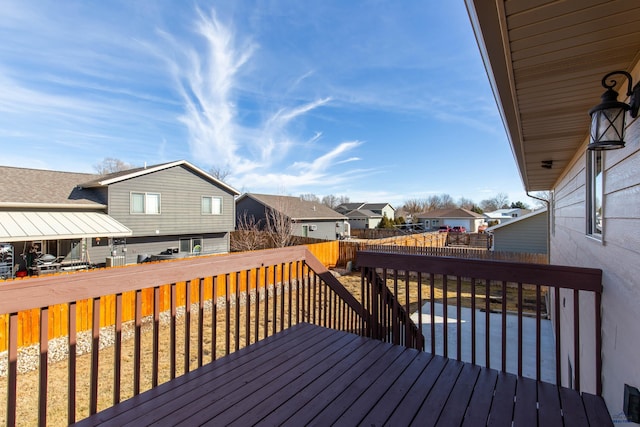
[(608, 117)]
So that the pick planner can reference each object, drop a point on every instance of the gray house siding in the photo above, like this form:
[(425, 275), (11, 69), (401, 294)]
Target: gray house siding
[(617, 254), (253, 209), (149, 245), (528, 235), (181, 193), (329, 229), (324, 229)]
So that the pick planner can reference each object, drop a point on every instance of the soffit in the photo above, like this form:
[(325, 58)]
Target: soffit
[(546, 60)]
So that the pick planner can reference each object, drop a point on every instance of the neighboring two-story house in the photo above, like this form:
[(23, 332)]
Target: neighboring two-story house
[(135, 212), (366, 215), (310, 219), (547, 62)]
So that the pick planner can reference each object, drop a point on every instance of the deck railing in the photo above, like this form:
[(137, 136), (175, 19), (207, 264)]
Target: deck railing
[(185, 313), (179, 314), (441, 289)]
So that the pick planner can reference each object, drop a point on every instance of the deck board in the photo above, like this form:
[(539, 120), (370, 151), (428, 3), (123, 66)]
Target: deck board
[(313, 375), (477, 411), (431, 408)]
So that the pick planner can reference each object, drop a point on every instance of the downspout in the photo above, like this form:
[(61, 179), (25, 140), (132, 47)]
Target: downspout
[(548, 203)]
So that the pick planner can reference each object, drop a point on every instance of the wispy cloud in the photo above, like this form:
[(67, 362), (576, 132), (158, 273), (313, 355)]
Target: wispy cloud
[(210, 82), (320, 172)]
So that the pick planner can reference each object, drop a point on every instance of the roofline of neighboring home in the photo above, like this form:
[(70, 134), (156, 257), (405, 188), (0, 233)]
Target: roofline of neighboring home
[(18, 205), (315, 218), (452, 217), (516, 220), (163, 166)]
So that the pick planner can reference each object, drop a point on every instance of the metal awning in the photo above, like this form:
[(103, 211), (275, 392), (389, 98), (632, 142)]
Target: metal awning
[(16, 226)]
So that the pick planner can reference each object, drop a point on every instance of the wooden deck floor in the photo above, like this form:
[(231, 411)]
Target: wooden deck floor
[(309, 375)]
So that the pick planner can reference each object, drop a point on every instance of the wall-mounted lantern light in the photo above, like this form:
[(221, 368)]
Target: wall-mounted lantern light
[(608, 117)]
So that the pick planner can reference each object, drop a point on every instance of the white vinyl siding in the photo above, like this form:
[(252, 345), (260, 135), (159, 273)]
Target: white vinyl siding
[(145, 203), (211, 205)]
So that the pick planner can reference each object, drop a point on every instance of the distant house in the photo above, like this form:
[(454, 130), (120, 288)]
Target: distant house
[(528, 233), (366, 215), (361, 219), (504, 215), (433, 220), (88, 217), (345, 208), (310, 219)]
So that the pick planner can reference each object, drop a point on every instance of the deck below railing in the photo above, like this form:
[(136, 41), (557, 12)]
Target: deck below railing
[(448, 284), (308, 375), (179, 315)]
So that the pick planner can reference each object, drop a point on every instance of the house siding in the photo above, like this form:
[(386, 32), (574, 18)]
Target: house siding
[(149, 245), (325, 228), (617, 255), (181, 192), (528, 235), (389, 212)]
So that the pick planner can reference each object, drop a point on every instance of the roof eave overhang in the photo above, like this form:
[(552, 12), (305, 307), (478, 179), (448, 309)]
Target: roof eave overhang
[(71, 206), (489, 25)]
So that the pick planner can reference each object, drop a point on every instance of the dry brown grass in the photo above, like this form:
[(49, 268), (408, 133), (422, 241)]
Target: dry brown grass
[(352, 283), (27, 409)]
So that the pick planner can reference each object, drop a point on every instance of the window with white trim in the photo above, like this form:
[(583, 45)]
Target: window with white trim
[(595, 193), (211, 205), (145, 203)]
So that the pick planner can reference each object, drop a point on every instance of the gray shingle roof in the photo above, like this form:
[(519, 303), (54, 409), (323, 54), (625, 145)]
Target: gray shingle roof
[(296, 208), (37, 186), (363, 213), (376, 206)]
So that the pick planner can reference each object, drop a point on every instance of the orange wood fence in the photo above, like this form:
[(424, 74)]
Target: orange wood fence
[(29, 320)]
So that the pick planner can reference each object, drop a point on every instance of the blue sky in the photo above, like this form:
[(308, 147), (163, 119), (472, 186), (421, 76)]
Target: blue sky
[(377, 100)]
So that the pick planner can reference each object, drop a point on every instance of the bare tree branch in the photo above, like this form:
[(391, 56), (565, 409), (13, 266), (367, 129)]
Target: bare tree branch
[(111, 165), (219, 172), (248, 235), (278, 224)]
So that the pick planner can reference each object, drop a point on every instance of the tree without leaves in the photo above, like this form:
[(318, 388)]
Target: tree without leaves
[(278, 224), (500, 201), (310, 197), (342, 199), (330, 201), (544, 195), (432, 203), (219, 172), (111, 165), (465, 203), (413, 206), (446, 202), (248, 235)]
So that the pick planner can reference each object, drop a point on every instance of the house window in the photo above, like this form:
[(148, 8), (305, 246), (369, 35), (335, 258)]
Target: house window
[(145, 203), (191, 245), (595, 192), (211, 205)]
